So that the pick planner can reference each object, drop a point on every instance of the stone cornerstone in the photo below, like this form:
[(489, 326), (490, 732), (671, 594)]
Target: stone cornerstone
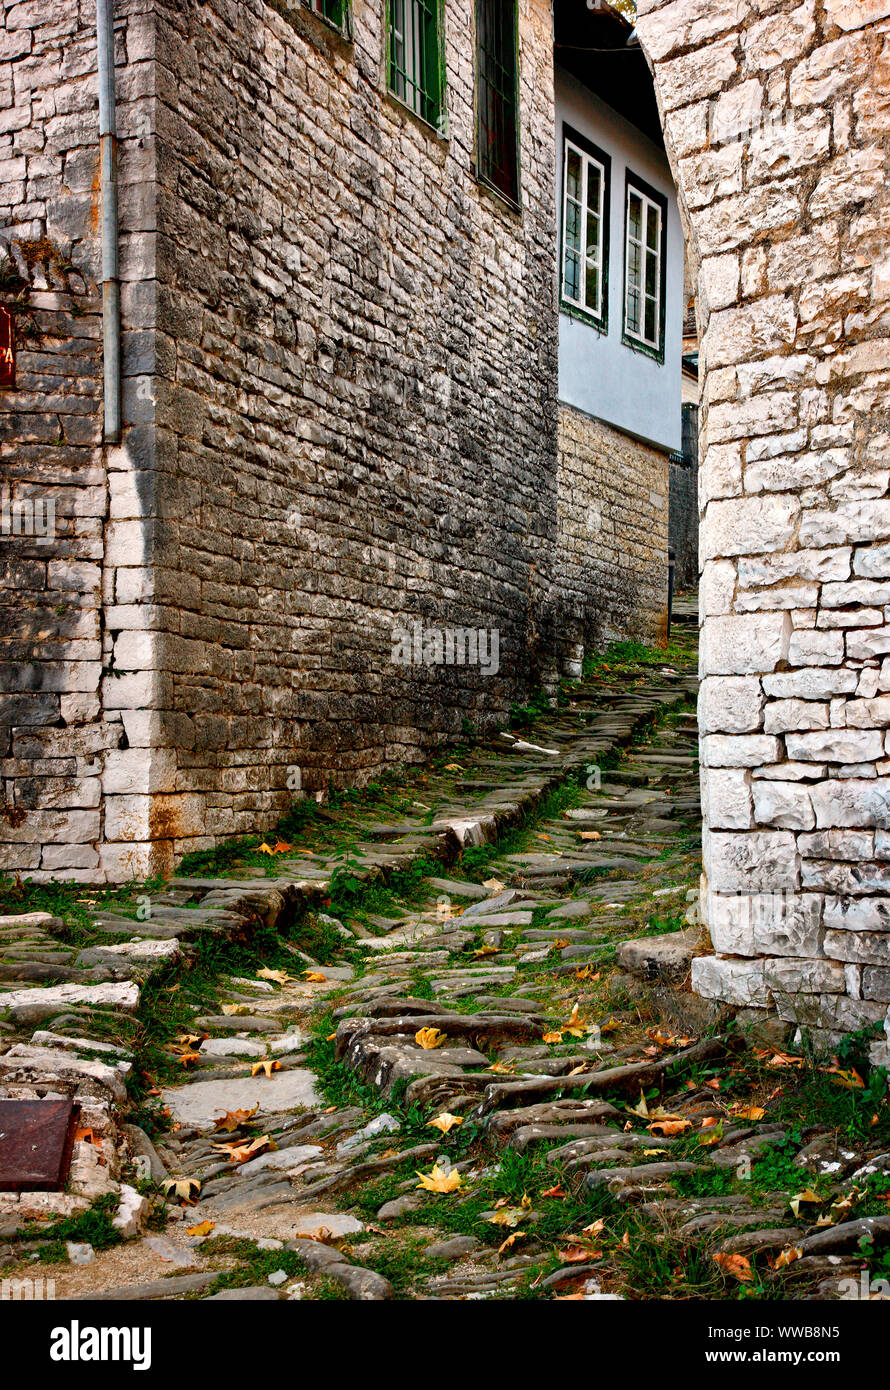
[(777, 116)]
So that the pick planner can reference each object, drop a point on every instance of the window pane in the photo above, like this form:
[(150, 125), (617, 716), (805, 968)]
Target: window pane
[(592, 293), (635, 216), (497, 117), (651, 320), (594, 187), (653, 228), (573, 175), (572, 283), (651, 273), (573, 226), (414, 56)]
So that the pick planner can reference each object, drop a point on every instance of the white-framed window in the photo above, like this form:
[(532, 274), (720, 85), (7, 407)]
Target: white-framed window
[(584, 228), (644, 267)]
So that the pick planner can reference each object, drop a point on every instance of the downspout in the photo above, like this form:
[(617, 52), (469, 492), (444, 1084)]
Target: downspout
[(111, 289)]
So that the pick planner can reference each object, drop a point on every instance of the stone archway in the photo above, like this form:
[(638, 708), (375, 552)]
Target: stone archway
[(776, 116)]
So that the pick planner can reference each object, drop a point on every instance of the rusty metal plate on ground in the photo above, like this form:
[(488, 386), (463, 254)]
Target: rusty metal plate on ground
[(36, 1139)]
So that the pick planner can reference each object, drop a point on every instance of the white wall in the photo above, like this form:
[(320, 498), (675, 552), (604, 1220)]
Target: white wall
[(597, 372)]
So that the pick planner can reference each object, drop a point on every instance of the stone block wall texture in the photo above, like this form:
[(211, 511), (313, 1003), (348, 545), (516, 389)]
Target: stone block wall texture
[(55, 727), (339, 359), (777, 115), (613, 531), (683, 523)]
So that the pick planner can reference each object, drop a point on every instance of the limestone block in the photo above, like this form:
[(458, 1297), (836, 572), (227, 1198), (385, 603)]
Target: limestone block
[(765, 924), (785, 805), (811, 648), (810, 683), (855, 14), (852, 802), (730, 705), (760, 861), (739, 750), (782, 716), (726, 799), (746, 644), (738, 982), (749, 526), (792, 976), (836, 746), (860, 947)]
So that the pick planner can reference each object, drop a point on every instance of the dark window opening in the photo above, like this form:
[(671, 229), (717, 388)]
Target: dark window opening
[(498, 126)]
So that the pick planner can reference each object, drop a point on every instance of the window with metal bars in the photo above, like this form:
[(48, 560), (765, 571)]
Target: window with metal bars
[(334, 11), (416, 59), (586, 181), (497, 104), (644, 267)]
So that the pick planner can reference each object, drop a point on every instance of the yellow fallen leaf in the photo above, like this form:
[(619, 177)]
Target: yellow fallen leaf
[(850, 1080), (786, 1258), (749, 1112), (280, 977), (453, 767), (188, 1040), (445, 1122), (187, 1058), (315, 977), (640, 1109), (486, 951), (234, 1119), (511, 1241), (502, 1068), (430, 1038), (552, 1038), (437, 1180), (589, 835), (508, 1216), (235, 1010), (202, 1229), (595, 1228), (493, 885), (266, 1065), (266, 849)]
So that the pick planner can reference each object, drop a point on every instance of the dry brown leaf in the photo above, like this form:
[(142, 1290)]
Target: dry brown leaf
[(738, 1266), (280, 977)]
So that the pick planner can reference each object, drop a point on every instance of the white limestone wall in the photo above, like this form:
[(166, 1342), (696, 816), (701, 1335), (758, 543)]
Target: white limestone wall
[(777, 115)]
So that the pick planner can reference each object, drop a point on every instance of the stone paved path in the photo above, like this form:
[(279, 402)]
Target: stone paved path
[(494, 1084)]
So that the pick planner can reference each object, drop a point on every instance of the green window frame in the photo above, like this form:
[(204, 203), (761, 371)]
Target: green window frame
[(497, 96), (416, 62), (645, 267), (585, 219), (334, 12)]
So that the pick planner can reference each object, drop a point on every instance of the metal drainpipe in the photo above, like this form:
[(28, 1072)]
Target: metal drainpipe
[(111, 289)]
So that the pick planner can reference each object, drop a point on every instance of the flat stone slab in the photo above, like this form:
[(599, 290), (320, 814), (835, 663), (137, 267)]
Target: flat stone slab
[(569, 911), (659, 957), (239, 1023), (281, 1160), (30, 1005), (202, 1102), (232, 1047), (314, 1223)]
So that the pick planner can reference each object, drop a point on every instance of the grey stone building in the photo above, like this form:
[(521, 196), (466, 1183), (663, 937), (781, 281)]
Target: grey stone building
[(333, 524)]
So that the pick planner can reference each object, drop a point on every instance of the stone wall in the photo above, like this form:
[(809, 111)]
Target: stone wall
[(53, 729), (613, 532), (777, 116)]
